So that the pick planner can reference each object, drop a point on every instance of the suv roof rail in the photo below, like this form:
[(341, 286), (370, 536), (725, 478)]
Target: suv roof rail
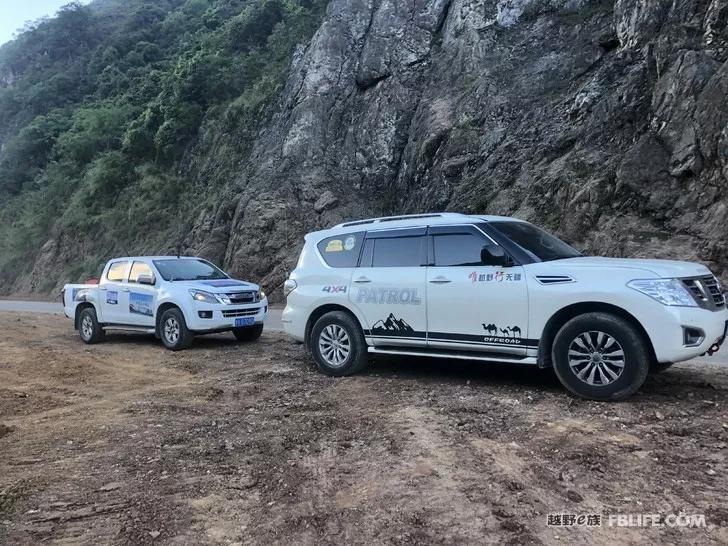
[(397, 219)]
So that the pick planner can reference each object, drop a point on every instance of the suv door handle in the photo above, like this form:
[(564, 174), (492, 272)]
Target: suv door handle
[(440, 280), (362, 280)]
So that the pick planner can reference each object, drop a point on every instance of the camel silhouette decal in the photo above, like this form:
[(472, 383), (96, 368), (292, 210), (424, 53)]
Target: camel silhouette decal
[(509, 331)]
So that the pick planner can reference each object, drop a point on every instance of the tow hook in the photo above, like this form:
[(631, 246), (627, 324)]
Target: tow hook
[(713, 349)]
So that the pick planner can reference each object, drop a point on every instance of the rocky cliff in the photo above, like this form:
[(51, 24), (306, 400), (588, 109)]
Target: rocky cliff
[(604, 121)]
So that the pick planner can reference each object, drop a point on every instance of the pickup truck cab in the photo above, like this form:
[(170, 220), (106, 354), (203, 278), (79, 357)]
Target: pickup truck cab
[(174, 298), (497, 289)]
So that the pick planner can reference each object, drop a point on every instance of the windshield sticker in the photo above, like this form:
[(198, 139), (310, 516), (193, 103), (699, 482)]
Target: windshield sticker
[(335, 289), (498, 276), (350, 243), (141, 304), (389, 296), (336, 245), (112, 298)]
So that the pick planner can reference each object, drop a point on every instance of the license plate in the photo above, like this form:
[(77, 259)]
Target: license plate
[(242, 322)]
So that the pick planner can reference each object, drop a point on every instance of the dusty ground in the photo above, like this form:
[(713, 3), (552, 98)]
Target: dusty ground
[(126, 443)]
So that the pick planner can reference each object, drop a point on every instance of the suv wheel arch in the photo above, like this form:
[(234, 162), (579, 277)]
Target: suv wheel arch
[(320, 312), (564, 315)]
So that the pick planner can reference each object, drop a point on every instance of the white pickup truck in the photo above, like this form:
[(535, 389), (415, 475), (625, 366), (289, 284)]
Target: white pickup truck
[(174, 298)]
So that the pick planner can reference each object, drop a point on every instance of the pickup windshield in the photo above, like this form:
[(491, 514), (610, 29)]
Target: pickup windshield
[(188, 270), (540, 244)]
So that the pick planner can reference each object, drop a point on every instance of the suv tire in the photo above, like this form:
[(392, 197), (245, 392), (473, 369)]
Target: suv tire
[(600, 356), (89, 328), (337, 344), (659, 367), (249, 333), (173, 330)]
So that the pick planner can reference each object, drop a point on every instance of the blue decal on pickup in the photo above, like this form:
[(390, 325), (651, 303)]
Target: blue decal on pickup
[(141, 304), (112, 298), (79, 294), (225, 283)]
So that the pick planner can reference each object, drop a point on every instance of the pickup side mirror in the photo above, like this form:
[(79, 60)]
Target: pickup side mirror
[(495, 255), (146, 279)]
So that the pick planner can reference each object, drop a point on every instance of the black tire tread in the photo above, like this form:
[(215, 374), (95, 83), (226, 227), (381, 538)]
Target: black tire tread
[(359, 358)]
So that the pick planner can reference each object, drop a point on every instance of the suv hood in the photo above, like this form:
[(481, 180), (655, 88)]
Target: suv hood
[(222, 286), (659, 268)]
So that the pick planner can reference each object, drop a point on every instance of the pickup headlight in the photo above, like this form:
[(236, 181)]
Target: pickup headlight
[(666, 291), (261, 295), (204, 297)]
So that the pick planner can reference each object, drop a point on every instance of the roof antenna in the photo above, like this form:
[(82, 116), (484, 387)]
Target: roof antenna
[(178, 250)]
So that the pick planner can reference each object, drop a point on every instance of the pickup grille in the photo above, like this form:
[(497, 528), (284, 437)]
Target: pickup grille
[(242, 297), (235, 313), (706, 291)]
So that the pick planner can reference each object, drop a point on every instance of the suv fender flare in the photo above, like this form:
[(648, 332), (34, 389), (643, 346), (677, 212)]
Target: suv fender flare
[(566, 313), (328, 307)]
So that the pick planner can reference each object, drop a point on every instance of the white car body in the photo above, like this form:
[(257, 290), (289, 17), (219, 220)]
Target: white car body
[(121, 303), (492, 312)]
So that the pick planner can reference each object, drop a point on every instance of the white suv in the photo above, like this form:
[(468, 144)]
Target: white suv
[(498, 289)]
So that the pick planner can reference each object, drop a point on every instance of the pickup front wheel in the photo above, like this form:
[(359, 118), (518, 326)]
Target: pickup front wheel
[(88, 326), (173, 330), (600, 356)]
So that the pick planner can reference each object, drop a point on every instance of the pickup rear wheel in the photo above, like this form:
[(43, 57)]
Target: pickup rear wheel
[(337, 344), (600, 356), (89, 328), (173, 330)]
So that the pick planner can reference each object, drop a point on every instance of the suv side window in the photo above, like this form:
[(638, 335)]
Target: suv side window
[(394, 252), (116, 271), (138, 269), (458, 249), (341, 250)]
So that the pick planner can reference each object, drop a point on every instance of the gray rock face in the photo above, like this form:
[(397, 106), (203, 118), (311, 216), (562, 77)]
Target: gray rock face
[(605, 121)]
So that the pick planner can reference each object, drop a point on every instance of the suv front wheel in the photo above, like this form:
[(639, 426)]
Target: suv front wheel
[(337, 344), (600, 356)]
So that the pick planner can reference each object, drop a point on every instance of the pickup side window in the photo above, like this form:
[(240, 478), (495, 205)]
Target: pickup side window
[(117, 271), (138, 269), (341, 250)]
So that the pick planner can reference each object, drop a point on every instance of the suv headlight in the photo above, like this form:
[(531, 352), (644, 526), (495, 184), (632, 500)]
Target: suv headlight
[(204, 297), (666, 291), (289, 286)]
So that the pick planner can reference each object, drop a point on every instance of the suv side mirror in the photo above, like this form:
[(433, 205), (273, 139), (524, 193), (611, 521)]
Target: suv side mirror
[(495, 255), (145, 279)]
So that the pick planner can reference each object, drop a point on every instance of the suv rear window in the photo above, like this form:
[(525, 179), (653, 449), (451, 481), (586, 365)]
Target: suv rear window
[(341, 250), (394, 252)]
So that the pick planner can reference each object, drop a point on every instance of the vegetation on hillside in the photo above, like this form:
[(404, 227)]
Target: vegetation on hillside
[(102, 106)]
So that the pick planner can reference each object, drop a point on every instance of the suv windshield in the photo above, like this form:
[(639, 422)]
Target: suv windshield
[(541, 245), (188, 270)]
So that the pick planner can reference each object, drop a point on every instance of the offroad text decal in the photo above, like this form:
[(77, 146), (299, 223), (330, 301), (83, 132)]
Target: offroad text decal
[(141, 304), (498, 276), (389, 296), (510, 335), (335, 289)]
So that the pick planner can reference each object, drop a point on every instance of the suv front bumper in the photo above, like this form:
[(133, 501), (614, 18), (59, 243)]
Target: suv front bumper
[(668, 333)]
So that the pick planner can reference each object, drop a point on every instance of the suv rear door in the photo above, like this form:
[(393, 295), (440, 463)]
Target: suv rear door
[(388, 287), (470, 305)]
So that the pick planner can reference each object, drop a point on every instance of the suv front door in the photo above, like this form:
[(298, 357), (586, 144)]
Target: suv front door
[(388, 287), (471, 305)]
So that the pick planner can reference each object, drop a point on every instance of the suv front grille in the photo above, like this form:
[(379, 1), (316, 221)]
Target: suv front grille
[(237, 298), (235, 313), (706, 291)]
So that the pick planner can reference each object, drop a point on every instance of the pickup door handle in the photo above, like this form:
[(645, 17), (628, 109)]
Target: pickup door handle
[(125, 290), (440, 280), (362, 280)]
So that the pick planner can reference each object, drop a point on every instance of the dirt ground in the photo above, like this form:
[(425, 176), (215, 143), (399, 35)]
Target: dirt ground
[(126, 443)]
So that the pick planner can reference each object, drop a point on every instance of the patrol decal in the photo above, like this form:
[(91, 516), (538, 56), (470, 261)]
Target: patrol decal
[(141, 304), (335, 245), (350, 243), (498, 276), (335, 289), (112, 298), (389, 296), (394, 327)]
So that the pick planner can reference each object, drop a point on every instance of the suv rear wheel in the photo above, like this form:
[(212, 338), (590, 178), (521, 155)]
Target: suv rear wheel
[(600, 356), (337, 344)]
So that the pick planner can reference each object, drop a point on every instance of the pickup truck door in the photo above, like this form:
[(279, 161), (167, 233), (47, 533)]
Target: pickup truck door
[(388, 287), (142, 297), (472, 306), (113, 299)]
